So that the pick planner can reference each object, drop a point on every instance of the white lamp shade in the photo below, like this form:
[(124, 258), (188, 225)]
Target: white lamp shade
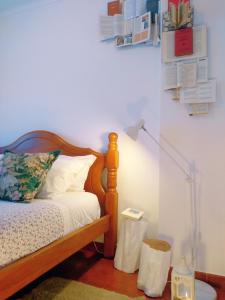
[(133, 131)]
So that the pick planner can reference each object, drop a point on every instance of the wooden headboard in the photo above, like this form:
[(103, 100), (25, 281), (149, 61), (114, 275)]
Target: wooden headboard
[(44, 141)]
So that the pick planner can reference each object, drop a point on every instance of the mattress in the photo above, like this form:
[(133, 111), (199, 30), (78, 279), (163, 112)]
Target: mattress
[(25, 228)]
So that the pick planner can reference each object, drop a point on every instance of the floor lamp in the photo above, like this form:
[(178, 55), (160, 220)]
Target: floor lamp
[(203, 291)]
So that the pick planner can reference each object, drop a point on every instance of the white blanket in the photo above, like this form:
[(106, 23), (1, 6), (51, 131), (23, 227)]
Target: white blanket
[(25, 228)]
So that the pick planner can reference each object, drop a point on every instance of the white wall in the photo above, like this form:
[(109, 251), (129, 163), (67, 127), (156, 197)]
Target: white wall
[(56, 75), (199, 138)]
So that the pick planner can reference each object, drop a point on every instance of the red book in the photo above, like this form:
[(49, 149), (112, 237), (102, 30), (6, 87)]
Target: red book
[(177, 2), (114, 8), (184, 42)]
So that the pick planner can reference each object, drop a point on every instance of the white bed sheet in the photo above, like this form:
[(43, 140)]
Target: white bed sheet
[(25, 228), (78, 208)]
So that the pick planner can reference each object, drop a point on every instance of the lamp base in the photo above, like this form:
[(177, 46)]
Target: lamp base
[(204, 291)]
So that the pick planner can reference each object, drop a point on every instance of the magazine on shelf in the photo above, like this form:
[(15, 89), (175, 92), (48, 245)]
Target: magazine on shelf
[(138, 31), (141, 29)]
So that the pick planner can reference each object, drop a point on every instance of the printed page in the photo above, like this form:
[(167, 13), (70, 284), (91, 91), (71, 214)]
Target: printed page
[(133, 8), (202, 70), (200, 41), (106, 27), (181, 74), (128, 26), (142, 29), (111, 26), (186, 74), (118, 25), (195, 71), (155, 30), (202, 93), (170, 76), (129, 9), (140, 8), (199, 45), (198, 109), (168, 46)]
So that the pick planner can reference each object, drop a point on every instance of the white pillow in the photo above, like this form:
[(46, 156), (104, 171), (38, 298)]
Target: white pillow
[(68, 173), (78, 183)]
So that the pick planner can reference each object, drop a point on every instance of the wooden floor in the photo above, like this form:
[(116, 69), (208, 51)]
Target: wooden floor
[(90, 267), (101, 273)]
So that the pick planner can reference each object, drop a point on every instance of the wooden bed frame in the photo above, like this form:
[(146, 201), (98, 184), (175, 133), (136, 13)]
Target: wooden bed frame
[(20, 273)]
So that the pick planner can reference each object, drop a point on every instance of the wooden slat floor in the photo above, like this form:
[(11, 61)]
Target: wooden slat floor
[(90, 267)]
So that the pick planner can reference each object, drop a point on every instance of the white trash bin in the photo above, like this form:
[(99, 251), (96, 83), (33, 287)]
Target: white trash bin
[(154, 267)]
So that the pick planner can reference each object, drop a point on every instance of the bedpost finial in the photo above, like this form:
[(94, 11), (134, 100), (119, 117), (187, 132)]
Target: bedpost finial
[(112, 158), (113, 137), (112, 146)]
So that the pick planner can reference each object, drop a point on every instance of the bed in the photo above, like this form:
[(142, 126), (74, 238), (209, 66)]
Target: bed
[(21, 272)]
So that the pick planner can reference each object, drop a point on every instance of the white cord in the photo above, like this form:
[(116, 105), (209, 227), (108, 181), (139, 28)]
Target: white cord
[(96, 248)]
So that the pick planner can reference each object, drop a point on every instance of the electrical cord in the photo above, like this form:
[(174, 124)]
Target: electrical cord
[(96, 248)]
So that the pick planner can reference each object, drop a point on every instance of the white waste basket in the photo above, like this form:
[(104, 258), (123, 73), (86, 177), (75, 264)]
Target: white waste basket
[(154, 267)]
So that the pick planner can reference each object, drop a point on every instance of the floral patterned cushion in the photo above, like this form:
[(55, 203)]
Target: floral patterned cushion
[(21, 175)]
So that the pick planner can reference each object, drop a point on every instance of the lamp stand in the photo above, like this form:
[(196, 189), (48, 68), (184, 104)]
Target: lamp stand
[(203, 291)]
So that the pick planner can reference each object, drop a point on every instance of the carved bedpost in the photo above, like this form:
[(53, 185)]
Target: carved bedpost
[(111, 206)]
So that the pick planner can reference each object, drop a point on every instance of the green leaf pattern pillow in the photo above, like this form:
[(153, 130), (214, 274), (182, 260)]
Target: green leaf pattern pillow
[(21, 175)]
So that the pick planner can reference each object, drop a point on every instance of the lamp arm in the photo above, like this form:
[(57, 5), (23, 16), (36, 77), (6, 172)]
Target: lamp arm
[(189, 175)]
